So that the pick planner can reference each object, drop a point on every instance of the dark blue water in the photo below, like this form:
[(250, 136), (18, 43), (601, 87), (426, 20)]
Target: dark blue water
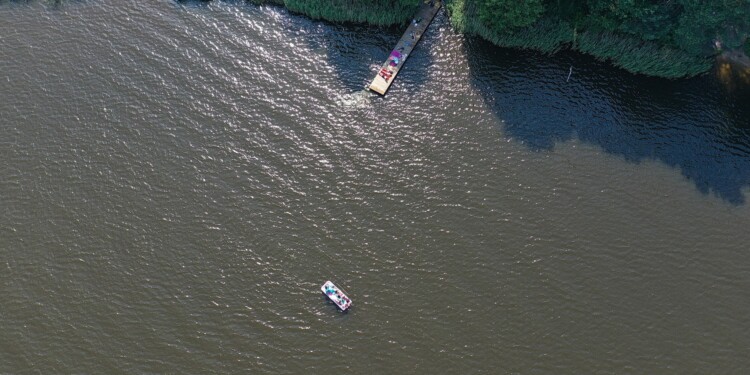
[(698, 126)]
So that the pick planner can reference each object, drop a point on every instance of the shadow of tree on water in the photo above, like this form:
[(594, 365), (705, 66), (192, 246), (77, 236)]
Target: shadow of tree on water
[(694, 125), (357, 51)]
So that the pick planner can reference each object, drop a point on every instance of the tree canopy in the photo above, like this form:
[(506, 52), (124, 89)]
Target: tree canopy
[(644, 36)]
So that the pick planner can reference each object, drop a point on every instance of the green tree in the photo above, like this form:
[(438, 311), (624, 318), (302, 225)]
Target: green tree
[(503, 15), (647, 20), (701, 22)]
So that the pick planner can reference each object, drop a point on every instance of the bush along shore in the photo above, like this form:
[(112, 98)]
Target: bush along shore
[(670, 39), (663, 38)]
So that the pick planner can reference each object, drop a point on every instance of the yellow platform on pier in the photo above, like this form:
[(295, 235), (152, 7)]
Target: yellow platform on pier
[(387, 73)]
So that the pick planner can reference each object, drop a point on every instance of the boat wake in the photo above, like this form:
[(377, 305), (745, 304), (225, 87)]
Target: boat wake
[(358, 99)]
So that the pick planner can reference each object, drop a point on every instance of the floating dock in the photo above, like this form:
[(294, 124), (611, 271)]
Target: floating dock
[(336, 295), (387, 73)]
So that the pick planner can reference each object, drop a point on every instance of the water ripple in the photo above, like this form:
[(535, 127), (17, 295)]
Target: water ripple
[(180, 177)]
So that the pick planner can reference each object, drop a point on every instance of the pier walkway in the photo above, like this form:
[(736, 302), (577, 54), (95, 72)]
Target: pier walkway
[(387, 73)]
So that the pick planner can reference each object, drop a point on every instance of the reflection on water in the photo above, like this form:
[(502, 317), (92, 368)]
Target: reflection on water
[(694, 125), (358, 99), (734, 77)]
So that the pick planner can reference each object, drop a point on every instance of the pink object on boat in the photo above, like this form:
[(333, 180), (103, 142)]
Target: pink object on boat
[(336, 295)]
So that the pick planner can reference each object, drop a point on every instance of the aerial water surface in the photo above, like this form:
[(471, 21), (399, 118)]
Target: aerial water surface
[(178, 180)]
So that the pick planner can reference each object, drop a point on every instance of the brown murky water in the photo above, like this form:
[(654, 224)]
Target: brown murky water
[(178, 180)]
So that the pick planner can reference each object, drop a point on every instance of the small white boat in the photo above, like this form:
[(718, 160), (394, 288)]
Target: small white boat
[(336, 295)]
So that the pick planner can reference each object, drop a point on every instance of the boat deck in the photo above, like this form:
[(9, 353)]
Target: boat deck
[(336, 295)]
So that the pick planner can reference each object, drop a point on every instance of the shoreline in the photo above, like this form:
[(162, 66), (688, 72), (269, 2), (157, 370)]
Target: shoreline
[(547, 36), (733, 69), (736, 57)]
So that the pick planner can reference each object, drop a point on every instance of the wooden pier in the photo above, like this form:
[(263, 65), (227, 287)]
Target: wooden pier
[(387, 73)]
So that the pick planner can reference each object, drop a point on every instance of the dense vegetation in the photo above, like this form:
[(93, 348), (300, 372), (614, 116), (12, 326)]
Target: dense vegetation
[(666, 38)]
